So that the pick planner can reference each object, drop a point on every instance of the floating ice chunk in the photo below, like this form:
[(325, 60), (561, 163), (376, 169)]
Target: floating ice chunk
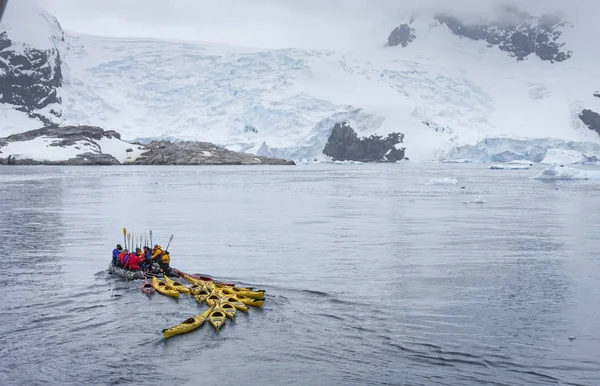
[(562, 173), (443, 181), (476, 201), (509, 167), (521, 162), (566, 157)]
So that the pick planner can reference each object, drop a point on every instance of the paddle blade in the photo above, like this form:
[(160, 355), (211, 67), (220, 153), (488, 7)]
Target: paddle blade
[(2, 6), (124, 232), (171, 238)]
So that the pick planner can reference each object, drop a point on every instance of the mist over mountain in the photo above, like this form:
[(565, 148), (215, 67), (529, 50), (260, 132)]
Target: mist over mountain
[(274, 77)]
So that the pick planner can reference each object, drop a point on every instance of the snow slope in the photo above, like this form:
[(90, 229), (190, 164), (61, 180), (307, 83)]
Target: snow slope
[(45, 148), (284, 102)]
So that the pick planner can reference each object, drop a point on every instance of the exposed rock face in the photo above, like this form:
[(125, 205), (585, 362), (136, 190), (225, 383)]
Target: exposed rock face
[(597, 94), (521, 37), (591, 119), (84, 139), (344, 145), (30, 78), (200, 153), (402, 35), (80, 159), (68, 134)]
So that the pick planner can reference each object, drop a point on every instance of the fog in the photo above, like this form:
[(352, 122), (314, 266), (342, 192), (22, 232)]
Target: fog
[(283, 23)]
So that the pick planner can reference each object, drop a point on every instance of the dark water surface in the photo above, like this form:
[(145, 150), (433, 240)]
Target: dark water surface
[(372, 276)]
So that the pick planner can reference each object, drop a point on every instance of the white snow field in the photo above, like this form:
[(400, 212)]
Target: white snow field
[(42, 149), (478, 102)]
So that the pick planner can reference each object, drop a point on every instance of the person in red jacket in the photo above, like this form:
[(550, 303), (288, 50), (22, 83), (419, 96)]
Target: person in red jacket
[(133, 263), (121, 257)]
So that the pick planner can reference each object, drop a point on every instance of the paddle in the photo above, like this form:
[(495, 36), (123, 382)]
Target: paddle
[(151, 238), (170, 239), (2, 6), (125, 234), (128, 241)]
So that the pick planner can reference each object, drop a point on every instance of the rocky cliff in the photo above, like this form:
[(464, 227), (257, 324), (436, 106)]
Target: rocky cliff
[(591, 119), (402, 35), (519, 34), (344, 145), (30, 76)]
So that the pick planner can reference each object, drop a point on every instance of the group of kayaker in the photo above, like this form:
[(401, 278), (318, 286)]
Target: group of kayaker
[(142, 259)]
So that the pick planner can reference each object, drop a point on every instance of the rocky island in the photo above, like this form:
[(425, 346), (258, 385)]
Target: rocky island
[(89, 145), (344, 145)]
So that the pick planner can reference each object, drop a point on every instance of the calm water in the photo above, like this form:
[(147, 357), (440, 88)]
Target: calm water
[(372, 276)]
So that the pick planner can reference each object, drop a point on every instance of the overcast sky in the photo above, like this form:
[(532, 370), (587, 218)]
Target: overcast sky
[(274, 23)]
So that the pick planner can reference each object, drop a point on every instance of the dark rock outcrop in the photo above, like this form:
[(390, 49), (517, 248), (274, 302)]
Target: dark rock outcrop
[(85, 138), (30, 78), (591, 119), (521, 37), (597, 94), (402, 35), (68, 134), (344, 145), (199, 153)]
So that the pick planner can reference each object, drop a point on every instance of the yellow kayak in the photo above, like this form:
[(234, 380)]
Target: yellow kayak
[(234, 301), (260, 294), (212, 300), (228, 291), (187, 325), (229, 310), (219, 285), (251, 302), (177, 285), (162, 288), (196, 288), (194, 281), (217, 319), (201, 296)]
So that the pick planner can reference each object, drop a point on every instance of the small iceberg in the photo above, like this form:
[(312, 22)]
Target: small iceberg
[(521, 162), (476, 201), (443, 181), (509, 167), (566, 157), (561, 173)]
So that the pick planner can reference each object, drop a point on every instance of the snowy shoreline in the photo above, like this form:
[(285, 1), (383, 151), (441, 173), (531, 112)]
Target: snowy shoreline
[(87, 145)]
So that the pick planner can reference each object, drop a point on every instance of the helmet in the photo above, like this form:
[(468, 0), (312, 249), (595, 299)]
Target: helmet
[(119, 247), (155, 246)]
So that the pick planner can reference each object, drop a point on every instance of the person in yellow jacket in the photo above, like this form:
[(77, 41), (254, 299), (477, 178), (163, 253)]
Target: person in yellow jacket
[(166, 258), (163, 258), (157, 252)]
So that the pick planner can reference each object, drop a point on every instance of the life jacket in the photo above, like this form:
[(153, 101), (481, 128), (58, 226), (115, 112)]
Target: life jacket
[(166, 258), (133, 263), (121, 258), (157, 253), (126, 258)]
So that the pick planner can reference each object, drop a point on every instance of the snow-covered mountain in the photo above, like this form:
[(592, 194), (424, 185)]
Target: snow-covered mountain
[(486, 90)]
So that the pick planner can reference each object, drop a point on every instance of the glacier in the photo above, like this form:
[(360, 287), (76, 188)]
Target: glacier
[(455, 99)]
